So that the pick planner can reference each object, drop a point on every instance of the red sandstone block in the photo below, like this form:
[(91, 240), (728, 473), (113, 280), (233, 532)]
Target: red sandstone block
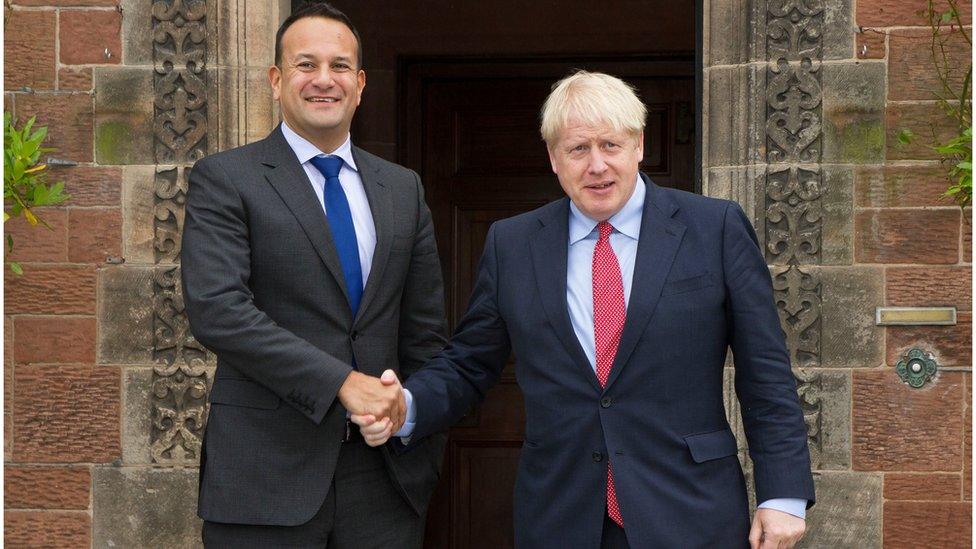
[(900, 186), (951, 345), (46, 487), (86, 36), (94, 235), (923, 286), (907, 236), (912, 525), (967, 235), (54, 339), (69, 118), (61, 529), (891, 13), (967, 469), (67, 3), (897, 428), (37, 242), (91, 185), (926, 121), (911, 72), (870, 45), (77, 79), (66, 414), (50, 289), (923, 486), (28, 47)]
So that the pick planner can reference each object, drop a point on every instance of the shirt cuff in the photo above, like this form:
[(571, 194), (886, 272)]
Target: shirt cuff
[(794, 506), (408, 424)]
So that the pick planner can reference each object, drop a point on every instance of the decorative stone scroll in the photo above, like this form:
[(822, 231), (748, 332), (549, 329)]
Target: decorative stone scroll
[(179, 385), (180, 80), (794, 189), (169, 201)]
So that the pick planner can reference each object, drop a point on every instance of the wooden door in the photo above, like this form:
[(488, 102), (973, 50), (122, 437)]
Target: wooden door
[(472, 131)]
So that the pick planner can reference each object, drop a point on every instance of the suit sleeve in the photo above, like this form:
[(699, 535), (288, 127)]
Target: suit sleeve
[(215, 264), (764, 382), (460, 376), (422, 326)]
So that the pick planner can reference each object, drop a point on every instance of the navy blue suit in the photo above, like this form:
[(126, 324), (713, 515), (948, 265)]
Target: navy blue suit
[(700, 286)]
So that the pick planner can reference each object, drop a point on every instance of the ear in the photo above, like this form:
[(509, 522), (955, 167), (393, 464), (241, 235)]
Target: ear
[(640, 144), (552, 159), (274, 77), (360, 85)]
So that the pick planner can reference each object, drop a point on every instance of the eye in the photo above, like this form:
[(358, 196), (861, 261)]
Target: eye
[(340, 67), (579, 148), (305, 65)]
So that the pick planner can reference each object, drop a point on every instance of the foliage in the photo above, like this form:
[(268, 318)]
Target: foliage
[(954, 99), (24, 186)]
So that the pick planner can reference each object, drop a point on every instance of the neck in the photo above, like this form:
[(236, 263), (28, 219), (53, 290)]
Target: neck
[(326, 142)]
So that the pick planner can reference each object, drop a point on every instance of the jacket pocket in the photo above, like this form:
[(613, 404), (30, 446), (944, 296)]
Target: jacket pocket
[(243, 392), (689, 284), (713, 445)]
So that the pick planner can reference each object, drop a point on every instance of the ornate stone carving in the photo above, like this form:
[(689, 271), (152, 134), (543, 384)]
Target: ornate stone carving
[(169, 200), (794, 188), (798, 298), (179, 387), (794, 216), (180, 80)]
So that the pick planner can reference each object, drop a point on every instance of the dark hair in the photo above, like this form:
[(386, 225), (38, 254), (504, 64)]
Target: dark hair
[(317, 9)]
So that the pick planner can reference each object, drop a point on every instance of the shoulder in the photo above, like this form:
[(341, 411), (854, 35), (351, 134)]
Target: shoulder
[(528, 222), (233, 161), (390, 171)]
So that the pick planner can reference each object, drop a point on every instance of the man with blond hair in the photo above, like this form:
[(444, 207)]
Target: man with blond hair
[(620, 303)]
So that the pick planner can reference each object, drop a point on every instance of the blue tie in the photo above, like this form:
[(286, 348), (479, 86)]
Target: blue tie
[(343, 232)]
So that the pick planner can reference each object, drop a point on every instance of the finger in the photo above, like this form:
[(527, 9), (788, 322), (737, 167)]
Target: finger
[(389, 377), (377, 439), (376, 428), (755, 534), (363, 420)]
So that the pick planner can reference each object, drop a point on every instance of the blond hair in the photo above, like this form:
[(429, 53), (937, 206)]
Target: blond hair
[(592, 99)]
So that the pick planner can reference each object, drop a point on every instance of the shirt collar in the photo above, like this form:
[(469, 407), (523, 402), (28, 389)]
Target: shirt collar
[(305, 150), (627, 221)]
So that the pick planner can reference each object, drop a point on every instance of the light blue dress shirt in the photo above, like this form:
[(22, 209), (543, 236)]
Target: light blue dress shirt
[(352, 186), (579, 294)]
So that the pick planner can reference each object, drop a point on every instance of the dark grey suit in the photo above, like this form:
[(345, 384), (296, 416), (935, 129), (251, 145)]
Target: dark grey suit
[(264, 291)]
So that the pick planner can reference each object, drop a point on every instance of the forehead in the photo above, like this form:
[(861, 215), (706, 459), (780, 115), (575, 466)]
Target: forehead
[(576, 129), (318, 36)]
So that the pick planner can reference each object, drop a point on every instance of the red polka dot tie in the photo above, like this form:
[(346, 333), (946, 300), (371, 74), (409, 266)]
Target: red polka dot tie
[(609, 312)]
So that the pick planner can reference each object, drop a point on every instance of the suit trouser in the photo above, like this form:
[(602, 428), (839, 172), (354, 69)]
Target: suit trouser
[(362, 510)]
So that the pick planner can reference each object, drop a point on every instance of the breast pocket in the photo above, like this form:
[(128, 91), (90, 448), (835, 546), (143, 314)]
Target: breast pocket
[(689, 284)]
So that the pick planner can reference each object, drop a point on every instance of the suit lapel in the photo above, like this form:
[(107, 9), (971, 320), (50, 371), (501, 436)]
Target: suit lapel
[(291, 183), (660, 237), (381, 206), (550, 246)]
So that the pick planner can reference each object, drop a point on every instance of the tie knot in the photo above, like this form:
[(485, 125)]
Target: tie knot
[(328, 165), (605, 229)]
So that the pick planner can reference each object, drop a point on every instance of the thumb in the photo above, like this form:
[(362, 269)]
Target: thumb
[(389, 378)]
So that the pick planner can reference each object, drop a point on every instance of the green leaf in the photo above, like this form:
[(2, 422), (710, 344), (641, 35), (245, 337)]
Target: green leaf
[(16, 268), (947, 16), (905, 136)]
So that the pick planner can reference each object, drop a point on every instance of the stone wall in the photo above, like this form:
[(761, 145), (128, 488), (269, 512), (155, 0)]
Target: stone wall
[(104, 386), (805, 100)]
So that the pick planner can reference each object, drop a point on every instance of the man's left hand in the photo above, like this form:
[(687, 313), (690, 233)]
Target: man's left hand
[(772, 529)]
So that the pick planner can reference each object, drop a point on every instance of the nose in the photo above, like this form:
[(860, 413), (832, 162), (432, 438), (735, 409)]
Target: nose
[(597, 163), (324, 77)]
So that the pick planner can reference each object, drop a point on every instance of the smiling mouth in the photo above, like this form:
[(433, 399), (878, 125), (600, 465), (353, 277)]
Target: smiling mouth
[(321, 100), (600, 186)]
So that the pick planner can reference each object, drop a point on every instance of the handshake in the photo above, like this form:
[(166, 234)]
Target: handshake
[(376, 405)]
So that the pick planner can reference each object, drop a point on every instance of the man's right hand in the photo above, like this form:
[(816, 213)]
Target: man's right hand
[(366, 395), (376, 431)]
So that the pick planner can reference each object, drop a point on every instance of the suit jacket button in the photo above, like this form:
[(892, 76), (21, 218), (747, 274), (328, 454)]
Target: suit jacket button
[(597, 456), (354, 335), (606, 402)]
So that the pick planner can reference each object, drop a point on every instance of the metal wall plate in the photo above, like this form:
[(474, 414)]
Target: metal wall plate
[(915, 316)]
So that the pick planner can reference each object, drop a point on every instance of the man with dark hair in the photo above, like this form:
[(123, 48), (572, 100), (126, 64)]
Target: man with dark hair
[(310, 269)]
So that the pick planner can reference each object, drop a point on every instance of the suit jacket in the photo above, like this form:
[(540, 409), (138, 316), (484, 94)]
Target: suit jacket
[(264, 291), (700, 286)]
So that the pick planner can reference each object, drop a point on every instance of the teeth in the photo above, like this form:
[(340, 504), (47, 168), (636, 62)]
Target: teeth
[(320, 100)]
